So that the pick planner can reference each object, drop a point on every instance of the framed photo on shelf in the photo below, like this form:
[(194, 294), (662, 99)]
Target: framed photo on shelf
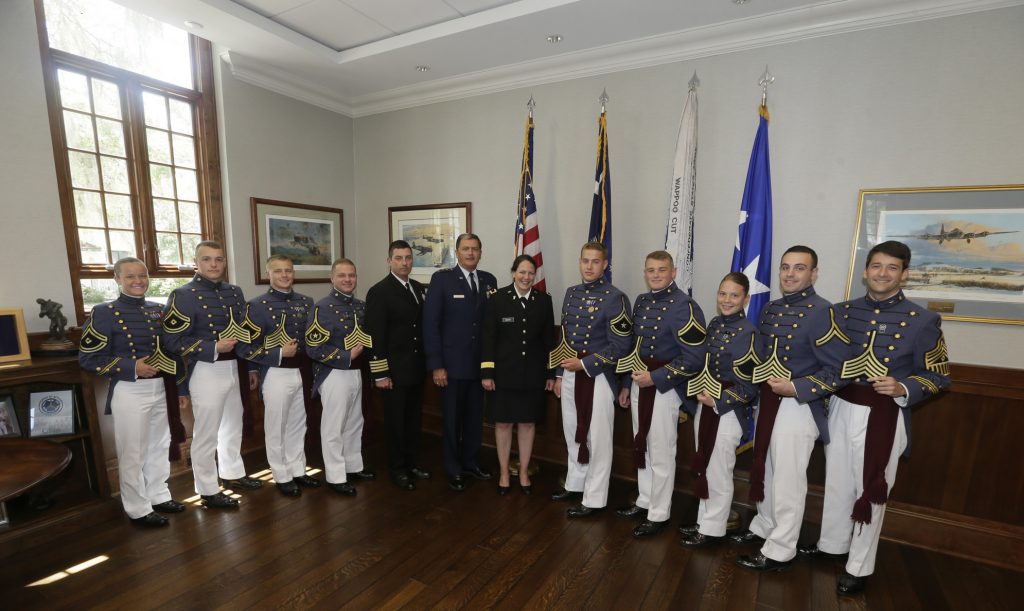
[(312, 236), (51, 413), (431, 230), (13, 338), (9, 426), (967, 245)]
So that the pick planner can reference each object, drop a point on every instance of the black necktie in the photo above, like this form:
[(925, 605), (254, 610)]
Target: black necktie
[(408, 285), (522, 302), (472, 282)]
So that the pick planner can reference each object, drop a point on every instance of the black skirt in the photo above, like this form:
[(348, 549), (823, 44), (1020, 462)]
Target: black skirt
[(516, 405)]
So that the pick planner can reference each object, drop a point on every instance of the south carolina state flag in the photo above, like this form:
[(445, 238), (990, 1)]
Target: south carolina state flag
[(753, 254)]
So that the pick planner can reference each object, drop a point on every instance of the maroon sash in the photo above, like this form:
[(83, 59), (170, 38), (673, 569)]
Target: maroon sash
[(583, 392), (768, 410), (645, 413), (173, 417), (880, 435), (706, 434)]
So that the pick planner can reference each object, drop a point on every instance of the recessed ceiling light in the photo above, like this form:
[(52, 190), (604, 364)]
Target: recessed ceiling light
[(555, 38), (193, 25), (740, 1), (422, 68)]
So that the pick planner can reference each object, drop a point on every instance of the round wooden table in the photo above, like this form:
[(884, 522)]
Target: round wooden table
[(25, 463)]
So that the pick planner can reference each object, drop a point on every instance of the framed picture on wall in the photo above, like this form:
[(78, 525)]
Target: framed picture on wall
[(13, 338), (431, 230), (9, 426), (967, 246), (51, 413), (311, 236)]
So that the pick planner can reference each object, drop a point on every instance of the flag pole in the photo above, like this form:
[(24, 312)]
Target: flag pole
[(766, 79)]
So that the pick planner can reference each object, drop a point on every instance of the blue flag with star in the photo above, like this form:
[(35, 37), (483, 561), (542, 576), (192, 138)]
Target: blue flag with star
[(753, 254), (601, 211)]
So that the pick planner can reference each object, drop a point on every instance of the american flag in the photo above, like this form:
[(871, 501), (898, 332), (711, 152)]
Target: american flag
[(527, 240)]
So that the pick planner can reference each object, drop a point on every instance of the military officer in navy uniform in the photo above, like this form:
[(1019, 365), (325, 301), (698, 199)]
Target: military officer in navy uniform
[(203, 321), (800, 351), (596, 329), (724, 393), (394, 319), (897, 358), (452, 337), (668, 349), (121, 341), (276, 350), (336, 340)]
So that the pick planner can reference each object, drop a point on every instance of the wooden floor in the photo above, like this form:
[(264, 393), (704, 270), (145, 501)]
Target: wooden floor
[(435, 548)]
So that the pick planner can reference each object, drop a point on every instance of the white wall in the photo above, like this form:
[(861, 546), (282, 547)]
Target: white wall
[(925, 104)]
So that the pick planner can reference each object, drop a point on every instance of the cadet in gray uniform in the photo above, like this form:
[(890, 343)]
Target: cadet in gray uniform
[(897, 358), (203, 320), (121, 341), (596, 329)]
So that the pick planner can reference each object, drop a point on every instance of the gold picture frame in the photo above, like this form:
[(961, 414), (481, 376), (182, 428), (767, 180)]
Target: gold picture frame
[(14, 346), (967, 244)]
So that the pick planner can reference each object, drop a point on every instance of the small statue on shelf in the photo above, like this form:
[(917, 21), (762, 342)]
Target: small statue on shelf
[(57, 342)]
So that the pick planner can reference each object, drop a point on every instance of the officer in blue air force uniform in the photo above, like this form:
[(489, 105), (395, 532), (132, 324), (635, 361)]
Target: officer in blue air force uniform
[(668, 349), (121, 341), (203, 320), (453, 316), (337, 341), (800, 349), (276, 350), (596, 330), (896, 358)]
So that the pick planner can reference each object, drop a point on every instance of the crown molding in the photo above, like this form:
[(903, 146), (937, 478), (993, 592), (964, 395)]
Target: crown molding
[(803, 23)]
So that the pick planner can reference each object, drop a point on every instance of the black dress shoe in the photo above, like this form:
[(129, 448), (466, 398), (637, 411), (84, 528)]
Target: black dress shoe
[(171, 506), (289, 488), (746, 536), (363, 475), (307, 481), (219, 501), (695, 539), (457, 482), (503, 490), (245, 483), (760, 562), (404, 482), (812, 551), (419, 473), (582, 511), (566, 495), (151, 519), (631, 512), (649, 529), (849, 585), (527, 489), (478, 473), (688, 529), (345, 488)]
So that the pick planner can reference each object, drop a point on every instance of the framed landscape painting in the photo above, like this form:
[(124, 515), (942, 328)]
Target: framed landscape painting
[(311, 236), (431, 230)]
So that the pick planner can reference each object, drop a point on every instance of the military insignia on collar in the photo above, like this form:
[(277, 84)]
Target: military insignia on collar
[(692, 333), (92, 340), (174, 321)]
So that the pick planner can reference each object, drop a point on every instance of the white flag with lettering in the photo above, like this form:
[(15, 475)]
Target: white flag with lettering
[(682, 199)]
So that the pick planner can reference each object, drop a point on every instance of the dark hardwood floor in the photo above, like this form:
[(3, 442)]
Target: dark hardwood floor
[(436, 548)]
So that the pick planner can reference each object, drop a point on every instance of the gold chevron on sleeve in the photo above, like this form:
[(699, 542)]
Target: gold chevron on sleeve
[(833, 332), (772, 367), (937, 359), (561, 353), (632, 362), (704, 382), (926, 384), (358, 337), (174, 321), (254, 330), (821, 383), (161, 361), (279, 337), (379, 365), (692, 334), (92, 340), (866, 364), (622, 325), (487, 365), (234, 330), (316, 334), (109, 365), (743, 367)]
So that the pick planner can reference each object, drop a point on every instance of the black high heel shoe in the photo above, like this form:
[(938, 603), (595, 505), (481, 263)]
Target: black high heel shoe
[(503, 490), (526, 488)]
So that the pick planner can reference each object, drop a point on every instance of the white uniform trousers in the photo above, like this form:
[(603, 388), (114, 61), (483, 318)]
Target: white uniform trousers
[(844, 483), (781, 513), (341, 428), (217, 433), (656, 482), (592, 479), (142, 438), (284, 422), (713, 512)]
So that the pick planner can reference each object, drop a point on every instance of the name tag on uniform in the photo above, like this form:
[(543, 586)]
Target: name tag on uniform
[(508, 319), (458, 296)]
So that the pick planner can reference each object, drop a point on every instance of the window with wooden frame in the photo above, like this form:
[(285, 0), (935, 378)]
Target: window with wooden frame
[(133, 122)]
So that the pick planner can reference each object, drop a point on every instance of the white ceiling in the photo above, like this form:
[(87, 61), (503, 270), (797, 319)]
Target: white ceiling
[(359, 57)]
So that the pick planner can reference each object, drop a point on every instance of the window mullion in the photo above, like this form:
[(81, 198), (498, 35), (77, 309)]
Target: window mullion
[(142, 205)]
